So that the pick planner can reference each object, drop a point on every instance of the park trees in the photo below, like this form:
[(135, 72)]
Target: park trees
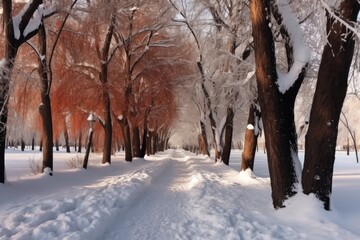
[(18, 29), (277, 95)]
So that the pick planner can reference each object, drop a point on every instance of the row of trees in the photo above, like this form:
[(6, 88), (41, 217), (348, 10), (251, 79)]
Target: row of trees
[(132, 62), (120, 60)]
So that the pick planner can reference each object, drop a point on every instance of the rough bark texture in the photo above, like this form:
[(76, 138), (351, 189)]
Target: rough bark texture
[(328, 100), (45, 106), (250, 143), (228, 136), (277, 115)]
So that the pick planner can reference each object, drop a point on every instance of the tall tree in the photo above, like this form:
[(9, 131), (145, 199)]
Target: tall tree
[(277, 95), (320, 144), (16, 33)]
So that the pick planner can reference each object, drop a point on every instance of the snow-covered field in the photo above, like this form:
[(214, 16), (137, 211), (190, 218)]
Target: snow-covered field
[(173, 195)]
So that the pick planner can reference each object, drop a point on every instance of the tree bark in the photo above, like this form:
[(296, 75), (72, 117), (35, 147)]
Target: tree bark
[(250, 143), (277, 110), (228, 135), (45, 106), (105, 92), (331, 89)]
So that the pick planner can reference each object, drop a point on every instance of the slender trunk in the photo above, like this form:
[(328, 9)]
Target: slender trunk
[(66, 136), (33, 144), (106, 92), (331, 89), (228, 135), (149, 143), (144, 143), (355, 147), (136, 141), (41, 145), (250, 143), (5, 72), (348, 147), (80, 142), (45, 106)]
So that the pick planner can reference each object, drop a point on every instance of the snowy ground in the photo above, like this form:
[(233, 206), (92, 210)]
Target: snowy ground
[(173, 195)]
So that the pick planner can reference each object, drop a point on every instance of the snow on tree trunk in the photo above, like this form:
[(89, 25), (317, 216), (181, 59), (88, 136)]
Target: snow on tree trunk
[(329, 96), (277, 107), (250, 142)]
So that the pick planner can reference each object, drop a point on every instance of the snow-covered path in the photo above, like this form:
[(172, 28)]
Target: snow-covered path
[(173, 195), (161, 207)]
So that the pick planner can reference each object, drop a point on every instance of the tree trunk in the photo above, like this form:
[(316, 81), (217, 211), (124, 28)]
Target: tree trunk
[(22, 145), (144, 143), (80, 142), (205, 145), (228, 136), (155, 142), (136, 141), (250, 143), (33, 144), (5, 72), (66, 136), (45, 106), (125, 129), (149, 143), (324, 118), (105, 91), (41, 145), (277, 108)]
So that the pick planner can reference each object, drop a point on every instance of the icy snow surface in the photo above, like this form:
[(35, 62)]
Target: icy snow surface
[(172, 195)]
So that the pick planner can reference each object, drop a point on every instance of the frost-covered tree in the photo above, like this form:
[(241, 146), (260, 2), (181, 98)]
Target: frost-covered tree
[(18, 29)]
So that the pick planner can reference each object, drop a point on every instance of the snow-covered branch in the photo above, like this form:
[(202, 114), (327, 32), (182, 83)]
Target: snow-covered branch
[(28, 21), (355, 29), (301, 53)]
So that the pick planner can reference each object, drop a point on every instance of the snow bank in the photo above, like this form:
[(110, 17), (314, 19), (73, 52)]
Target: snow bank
[(81, 214)]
